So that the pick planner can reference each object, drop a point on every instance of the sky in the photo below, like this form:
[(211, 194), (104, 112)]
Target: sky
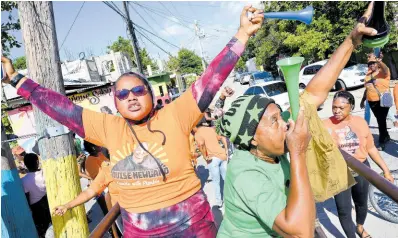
[(97, 26)]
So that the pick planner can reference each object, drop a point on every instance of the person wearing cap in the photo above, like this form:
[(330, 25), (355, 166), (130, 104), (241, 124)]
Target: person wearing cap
[(166, 200), (377, 81), (264, 194)]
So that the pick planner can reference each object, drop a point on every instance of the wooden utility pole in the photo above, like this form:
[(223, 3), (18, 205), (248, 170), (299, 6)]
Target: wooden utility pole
[(133, 38), (16, 217), (57, 153)]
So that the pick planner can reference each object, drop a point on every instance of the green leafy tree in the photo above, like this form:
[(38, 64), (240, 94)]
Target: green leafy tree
[(20, 63), (332, 22), (186, 62), (9, 41), (124, 45)]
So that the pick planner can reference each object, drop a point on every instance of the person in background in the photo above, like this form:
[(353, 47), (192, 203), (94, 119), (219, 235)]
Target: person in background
[(159, 104), (218, 108), (365, 104), (393, 113), (216, 157), (19, 154), (378, 80), (106, 109), (36, 193), (193, 147), (352, 134)]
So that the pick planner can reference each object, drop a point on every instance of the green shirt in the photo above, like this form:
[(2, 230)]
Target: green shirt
[(255, 193)]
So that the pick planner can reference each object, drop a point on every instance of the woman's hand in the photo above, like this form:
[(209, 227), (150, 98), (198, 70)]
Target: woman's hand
[(298, 135), (388, 176), (249, 27), (360, 29), (8, 68), (60, 210)]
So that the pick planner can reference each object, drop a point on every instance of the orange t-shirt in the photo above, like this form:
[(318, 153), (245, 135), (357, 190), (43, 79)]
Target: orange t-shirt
[(383, 85), (208, 137), (93, 164), (140, 184), (352, 136)]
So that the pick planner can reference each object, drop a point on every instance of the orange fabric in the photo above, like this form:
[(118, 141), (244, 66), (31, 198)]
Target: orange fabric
[(140, 185), (208, 136), (93, 165), (383, 85), (353, 136)]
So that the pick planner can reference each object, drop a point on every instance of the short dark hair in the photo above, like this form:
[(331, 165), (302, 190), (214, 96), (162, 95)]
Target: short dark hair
[(159, 101), (347, 95), (90, 148), (31, 162), (167, 101)]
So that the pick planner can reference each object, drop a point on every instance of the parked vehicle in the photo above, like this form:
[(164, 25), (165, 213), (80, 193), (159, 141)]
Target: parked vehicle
[(274, 89), (260, 77), (242, 78), (353, 75)]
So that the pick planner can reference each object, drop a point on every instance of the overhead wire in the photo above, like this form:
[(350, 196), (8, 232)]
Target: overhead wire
[(116, 10), (164, 16), (73, 23), (156, 36), (147, 38)]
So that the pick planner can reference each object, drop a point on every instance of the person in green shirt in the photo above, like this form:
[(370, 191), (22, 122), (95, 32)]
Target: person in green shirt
[(264, 194)]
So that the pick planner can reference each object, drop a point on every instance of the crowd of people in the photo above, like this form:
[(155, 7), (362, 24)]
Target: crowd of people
[(260, 155)]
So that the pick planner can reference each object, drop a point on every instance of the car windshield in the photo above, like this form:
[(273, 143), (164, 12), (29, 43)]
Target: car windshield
[(262, 75), (275, 89)]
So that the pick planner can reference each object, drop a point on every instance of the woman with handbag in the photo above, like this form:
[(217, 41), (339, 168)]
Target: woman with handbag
[(377, 84)]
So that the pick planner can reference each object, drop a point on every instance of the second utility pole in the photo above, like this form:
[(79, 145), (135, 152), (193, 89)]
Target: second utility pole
[(134, 41)]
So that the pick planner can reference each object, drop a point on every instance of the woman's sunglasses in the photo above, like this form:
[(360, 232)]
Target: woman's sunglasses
[(138, 91)]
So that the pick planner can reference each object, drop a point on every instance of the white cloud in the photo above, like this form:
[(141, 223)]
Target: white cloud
[(237, 7), (174, 30)]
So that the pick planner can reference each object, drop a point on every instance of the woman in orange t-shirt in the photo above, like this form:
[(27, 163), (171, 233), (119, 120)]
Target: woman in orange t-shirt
[(351, 133), (377, 81), (159, 192)]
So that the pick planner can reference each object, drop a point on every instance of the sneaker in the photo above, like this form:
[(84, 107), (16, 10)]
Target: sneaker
[(393, 130)]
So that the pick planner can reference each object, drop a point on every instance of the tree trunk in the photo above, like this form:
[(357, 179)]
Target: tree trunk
[(16, 218), (57, 153)]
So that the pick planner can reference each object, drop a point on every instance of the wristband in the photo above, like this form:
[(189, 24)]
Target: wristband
[(15, 80)]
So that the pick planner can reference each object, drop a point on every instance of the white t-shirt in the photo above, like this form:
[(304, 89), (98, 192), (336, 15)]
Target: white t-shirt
[(34, 184)]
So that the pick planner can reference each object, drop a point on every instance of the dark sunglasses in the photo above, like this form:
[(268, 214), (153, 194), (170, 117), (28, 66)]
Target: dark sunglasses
[(138, 91)]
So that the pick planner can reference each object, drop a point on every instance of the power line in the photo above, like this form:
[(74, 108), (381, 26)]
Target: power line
[(165, 29), (117, 10), (67, 34), (140, 16), (147, 38), (164, 6), (156, 36), (164, 16)]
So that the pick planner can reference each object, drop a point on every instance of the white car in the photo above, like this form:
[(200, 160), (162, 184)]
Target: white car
[(353, 75), (274, 89)]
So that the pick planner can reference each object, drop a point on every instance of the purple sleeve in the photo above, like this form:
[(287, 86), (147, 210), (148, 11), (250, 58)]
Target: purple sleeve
[(55, 105), (206, 87)]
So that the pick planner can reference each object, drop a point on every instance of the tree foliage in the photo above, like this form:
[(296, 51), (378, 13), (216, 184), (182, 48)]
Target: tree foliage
[(332, 22), (20, 63), (9, 41), (124, 45), (186, 62)]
